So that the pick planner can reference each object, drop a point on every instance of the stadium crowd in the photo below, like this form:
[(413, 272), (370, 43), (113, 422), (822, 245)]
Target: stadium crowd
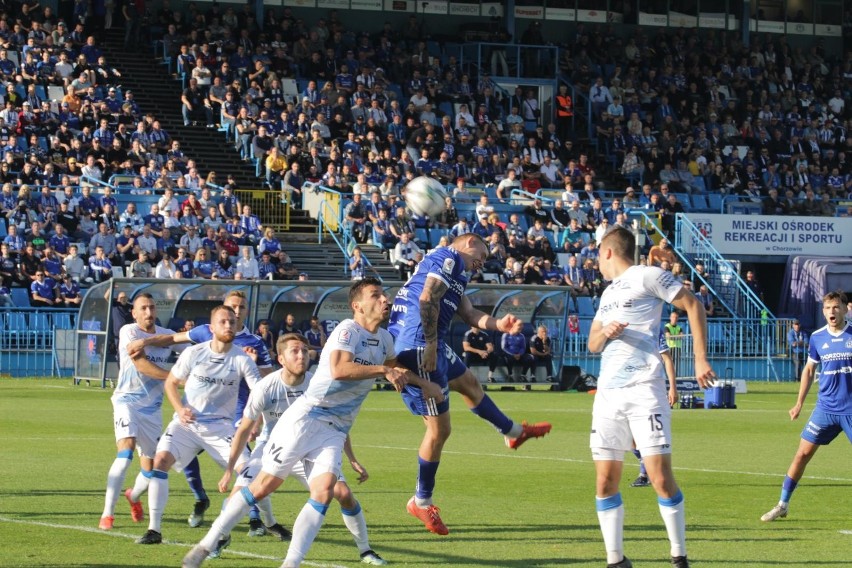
[(677, 114)]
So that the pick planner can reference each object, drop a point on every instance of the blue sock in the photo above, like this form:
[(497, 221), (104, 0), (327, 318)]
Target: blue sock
[(489, 411), (426, 478), (254, 513), (642, 471), (787, 489), (192, 471)]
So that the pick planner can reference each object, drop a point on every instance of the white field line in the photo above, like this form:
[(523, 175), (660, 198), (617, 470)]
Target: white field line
[(116, 534), (589, 461)]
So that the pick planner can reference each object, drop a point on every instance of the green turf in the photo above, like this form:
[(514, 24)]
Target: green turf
[(534, 507)]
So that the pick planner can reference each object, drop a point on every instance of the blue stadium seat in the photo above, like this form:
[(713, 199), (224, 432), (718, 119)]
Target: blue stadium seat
[(3, 230), (20, 297), (447, 109), (176, 324), (435, 236), (421, 236), (62, 321), (714, 200), (699, 202), (41, 92), (585, 307)]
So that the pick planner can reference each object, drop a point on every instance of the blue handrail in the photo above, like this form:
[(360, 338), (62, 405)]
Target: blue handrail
[(730, 288)]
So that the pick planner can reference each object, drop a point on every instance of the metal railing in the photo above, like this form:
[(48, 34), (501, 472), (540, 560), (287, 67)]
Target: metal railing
[(723, 279), (28, 344)]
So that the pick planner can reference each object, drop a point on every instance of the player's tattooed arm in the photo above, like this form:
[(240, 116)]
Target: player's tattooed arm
[(430, 307)]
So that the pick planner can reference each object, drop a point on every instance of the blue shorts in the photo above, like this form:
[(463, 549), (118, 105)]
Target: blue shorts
[(449, 367), (823, 427)]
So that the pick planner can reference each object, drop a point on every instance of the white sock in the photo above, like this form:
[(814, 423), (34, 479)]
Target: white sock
[(140, 486), (357, 525), (235, 509), (674, 517), (158, 495), (115, 481), (266, 514), (517, 430), (305, 530), (611, 520)]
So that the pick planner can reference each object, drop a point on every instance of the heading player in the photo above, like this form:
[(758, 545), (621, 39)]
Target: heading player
[(256, 348), (830, 347), (315, 427), (630, 403), (420, 320), (204, 418), (136, 403)]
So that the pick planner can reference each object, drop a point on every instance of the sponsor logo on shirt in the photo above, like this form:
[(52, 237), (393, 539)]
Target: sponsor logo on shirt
[(448, 266), (345, 336)]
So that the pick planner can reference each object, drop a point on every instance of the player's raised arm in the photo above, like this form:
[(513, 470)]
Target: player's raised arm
[(135, 347), (686, 301), (478, 318)]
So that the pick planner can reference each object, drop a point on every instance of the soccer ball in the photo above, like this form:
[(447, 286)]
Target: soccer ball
[(425, 196)]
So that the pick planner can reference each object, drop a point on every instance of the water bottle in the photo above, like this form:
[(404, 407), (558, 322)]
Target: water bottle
[(764, 317)]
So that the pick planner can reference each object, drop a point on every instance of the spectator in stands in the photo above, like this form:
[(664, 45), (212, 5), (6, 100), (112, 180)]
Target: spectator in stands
[(167, 268), (753, 284), (203, 266), (100, 267), (515, 352), (661, 252), (542, 352), (406, 256), (478, 349), (357, 264), (355, 219), (706, 299), (74, 265), (69, 293), (223, 268), (141, 268), (247, 264), (9, 273)]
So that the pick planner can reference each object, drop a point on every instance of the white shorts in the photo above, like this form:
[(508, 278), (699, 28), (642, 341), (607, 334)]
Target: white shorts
[(639, 414), (130, 422), (185, 441), (314, 444), (255, 464)]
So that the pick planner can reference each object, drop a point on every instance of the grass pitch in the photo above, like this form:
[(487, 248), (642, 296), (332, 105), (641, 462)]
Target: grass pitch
[(530, 508)]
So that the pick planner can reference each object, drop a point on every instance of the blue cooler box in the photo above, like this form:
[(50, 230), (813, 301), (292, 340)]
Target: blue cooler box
[(721, 396)]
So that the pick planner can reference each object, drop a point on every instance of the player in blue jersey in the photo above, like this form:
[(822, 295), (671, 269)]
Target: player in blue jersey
[(316, 339), (211, 373), (420, 320), (256, 348), (137, 414), (314, 428), (831, 348), (630, 403), (663, 345)]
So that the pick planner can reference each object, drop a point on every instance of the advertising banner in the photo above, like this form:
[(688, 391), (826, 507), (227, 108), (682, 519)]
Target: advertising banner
[(772, 235)]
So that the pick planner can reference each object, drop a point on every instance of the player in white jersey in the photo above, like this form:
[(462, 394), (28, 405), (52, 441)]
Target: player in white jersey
[(630, 403), (256, 348), (268, 401), (315, 427), (831, 348), (210, 373), (137, 413)]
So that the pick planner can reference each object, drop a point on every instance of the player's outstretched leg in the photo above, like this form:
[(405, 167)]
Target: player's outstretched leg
[(270, 522), (803, 456), (671, 502), (235, 509), (192, 472), (481, 404), (428, 460)]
